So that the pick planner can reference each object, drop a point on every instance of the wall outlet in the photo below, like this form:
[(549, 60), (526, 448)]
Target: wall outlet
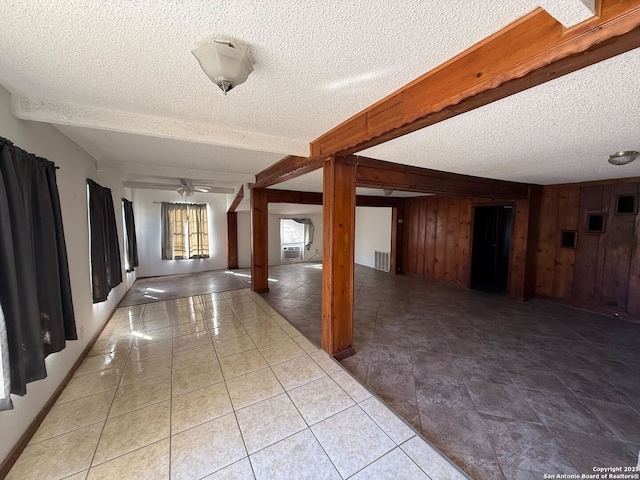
[(81, 332)]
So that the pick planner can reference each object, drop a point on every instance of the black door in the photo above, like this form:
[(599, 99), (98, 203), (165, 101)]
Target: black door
[(491, 242)]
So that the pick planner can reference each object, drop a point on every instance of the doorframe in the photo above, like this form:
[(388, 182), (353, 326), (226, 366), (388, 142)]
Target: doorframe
[(492, 203)]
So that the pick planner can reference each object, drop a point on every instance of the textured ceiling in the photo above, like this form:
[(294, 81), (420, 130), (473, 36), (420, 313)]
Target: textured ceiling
[(561, 131), (119, 79)]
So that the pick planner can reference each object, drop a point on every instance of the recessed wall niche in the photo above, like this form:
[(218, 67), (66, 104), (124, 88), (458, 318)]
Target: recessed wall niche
[(626, 205), (568, 239), (596, 222)]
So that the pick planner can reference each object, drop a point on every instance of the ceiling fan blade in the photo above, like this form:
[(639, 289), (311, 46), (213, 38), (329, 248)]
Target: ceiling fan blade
[(172, 185), (201, 188)]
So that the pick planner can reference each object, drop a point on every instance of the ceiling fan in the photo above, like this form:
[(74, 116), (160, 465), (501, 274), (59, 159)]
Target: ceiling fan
[(186, 188)]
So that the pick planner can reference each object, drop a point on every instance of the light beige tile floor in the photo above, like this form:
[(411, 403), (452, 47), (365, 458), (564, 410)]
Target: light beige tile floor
[(220, 386)]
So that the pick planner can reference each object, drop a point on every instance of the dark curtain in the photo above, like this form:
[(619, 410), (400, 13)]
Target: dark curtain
[(106, 270), (132, 242), (35, 291), (5, 369)]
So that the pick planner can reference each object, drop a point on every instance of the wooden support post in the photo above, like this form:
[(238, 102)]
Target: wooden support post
[(260, 245), (338, 212), (522, 260), (397, 237), (232, 240)]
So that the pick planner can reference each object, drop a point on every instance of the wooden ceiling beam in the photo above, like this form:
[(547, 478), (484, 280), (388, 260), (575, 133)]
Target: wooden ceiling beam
[(372, 173), (373, 201), (526, 53), (313, 198), (237, 200), (289, 167), (290, 196)]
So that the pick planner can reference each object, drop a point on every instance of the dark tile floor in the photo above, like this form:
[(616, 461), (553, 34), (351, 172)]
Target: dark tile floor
[(508, 390), (504, 388)]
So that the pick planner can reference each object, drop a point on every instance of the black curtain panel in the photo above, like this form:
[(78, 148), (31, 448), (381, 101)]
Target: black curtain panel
[(132, 242), (106, 270), (35, 291)]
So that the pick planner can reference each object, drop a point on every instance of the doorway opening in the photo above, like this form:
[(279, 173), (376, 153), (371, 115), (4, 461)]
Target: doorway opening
[(492, 228)]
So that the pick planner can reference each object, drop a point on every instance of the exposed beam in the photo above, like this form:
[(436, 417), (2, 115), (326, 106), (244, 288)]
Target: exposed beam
[(260, 242), (289, 167), (313, 198), (153, 186), (232, 240), (290, 196), (380, 174), (88, 116), (526, 53), (141, 171), (372, 201), (237, 200)]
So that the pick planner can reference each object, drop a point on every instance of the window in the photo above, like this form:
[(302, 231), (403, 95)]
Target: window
[(185, 231), (291, 239)]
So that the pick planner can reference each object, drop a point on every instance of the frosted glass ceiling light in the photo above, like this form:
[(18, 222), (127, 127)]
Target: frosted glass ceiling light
[(622, 158), (224, 64)]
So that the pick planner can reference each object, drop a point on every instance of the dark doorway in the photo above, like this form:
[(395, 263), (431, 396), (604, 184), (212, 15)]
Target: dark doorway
[(491, 242)]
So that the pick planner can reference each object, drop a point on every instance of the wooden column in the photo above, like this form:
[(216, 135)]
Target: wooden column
[(522, 260), (397, 237), (260, 245), (633, 302), (232, 240), (338, 212)]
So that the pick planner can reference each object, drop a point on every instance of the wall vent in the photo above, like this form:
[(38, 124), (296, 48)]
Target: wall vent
[(382, 261)]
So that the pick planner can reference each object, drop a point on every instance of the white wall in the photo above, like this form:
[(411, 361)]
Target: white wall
[(75, 167), (373, 232), (244, 238), (148, 230), (274, 238)]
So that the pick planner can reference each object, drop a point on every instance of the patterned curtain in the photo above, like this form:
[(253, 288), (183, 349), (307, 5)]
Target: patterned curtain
[(198, 231), (178, 218), (174, 228), (185, 231)]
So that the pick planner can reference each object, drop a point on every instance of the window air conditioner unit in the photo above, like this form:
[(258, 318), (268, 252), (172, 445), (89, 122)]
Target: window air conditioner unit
[(291, 252)]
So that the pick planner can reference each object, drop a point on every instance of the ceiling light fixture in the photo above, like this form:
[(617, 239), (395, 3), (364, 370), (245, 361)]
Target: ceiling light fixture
[(224, 64), (387, 192), (623, 157)]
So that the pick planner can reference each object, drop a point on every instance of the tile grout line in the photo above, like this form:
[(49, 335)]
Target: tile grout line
[(171, 403), (110, 406)]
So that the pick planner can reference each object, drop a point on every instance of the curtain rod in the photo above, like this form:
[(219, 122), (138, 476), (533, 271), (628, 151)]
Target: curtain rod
[(188, 203)]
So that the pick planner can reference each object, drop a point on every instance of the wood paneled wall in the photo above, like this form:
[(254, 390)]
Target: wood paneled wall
[(437, 237), (558, 212), (437, 240), (604, 269)]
